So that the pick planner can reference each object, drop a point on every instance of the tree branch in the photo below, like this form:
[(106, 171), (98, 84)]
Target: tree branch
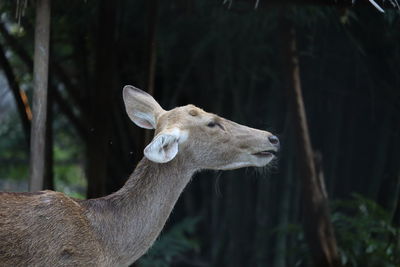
[(58, 71), (24, 110), (255, 4)]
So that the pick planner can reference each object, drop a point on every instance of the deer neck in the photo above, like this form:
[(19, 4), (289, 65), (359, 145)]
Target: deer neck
[(129, 220)]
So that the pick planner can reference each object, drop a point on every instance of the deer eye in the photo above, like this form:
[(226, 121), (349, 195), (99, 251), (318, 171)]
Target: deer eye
[(212, 124)]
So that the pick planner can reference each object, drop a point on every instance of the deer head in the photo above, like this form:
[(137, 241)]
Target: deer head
[(204, 140)]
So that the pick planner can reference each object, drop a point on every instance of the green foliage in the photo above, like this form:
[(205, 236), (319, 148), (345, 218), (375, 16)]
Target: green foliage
[(13, 149), (67, 152), (12, 142), (70, 179), (69, 176), (365, 234), (297, 248), (172, 244)]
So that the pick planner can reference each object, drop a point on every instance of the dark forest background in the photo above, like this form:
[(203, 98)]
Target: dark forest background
[(228, 58)]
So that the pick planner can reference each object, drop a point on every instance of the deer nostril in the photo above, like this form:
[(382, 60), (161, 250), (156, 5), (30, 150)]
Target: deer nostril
[(273, 140)]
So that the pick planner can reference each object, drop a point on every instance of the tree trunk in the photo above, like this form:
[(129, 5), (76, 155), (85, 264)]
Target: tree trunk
[(281, 254), (152, 45), (152, 53), (40, 81), (101, 98), (388, 165), (317, 226), (48, 182), (396, 211)]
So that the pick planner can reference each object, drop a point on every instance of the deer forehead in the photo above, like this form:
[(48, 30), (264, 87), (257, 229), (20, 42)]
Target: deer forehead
[(184, 117)]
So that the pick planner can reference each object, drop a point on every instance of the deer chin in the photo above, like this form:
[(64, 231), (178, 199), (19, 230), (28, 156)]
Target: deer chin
[(253, 160), (235, 165), (264, 157)]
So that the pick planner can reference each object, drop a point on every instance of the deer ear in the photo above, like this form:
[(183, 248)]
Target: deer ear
[(141, 107), (165, 145)]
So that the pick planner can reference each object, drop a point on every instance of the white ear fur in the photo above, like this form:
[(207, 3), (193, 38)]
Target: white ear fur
[(141, 107), (165, 145)]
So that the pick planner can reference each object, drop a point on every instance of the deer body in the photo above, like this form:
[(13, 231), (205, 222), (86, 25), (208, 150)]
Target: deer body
[(46, 229), (51, 229)]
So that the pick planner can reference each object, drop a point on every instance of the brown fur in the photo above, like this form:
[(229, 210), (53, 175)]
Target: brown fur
[(51, 229), (45, 229)]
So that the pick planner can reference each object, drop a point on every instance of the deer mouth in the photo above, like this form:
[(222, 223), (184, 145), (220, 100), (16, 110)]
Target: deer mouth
[(266, 153)]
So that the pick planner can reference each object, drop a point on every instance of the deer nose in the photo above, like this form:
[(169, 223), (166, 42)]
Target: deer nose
[(274, 140)]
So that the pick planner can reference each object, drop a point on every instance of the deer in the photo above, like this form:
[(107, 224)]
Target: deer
[(49, 228)]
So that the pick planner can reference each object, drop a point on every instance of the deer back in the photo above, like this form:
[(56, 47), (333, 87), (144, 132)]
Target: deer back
[(46, 229)]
